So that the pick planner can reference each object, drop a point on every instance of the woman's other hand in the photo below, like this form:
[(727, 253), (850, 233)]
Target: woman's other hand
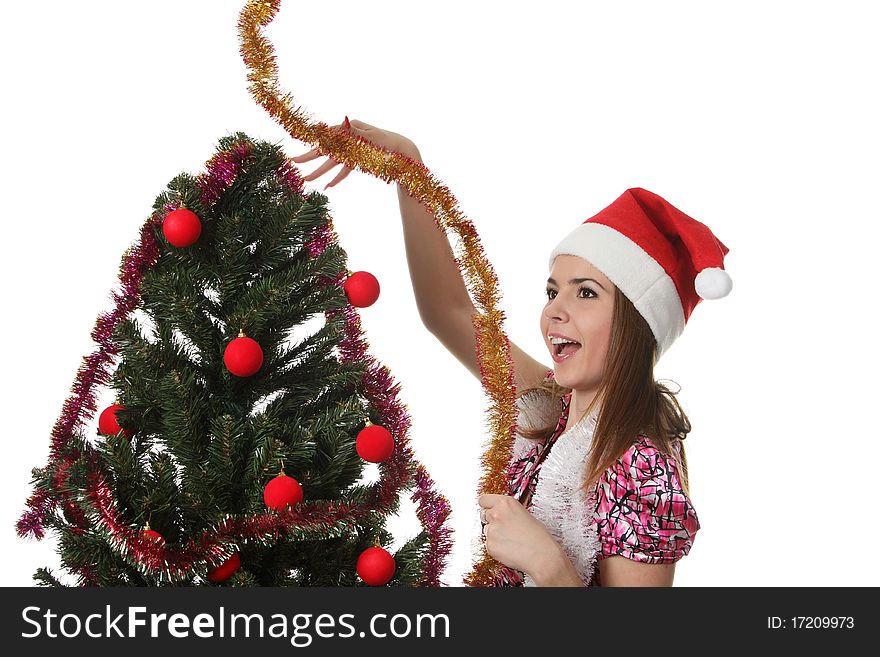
[(385, 138), (513, 535)]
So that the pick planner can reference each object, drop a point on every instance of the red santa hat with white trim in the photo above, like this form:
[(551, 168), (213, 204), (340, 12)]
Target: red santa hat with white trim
[(662, 260)]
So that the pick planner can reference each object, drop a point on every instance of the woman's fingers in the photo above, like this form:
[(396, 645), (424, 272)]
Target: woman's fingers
[(360, 125), (321, 170), (339, 176), (308, 156)]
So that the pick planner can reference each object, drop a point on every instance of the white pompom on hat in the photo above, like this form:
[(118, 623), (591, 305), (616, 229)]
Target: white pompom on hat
[(662, 260)]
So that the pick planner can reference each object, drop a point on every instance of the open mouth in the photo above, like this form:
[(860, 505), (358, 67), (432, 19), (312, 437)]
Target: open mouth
[(566, 348)]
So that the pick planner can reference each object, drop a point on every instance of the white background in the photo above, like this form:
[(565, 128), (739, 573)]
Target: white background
[(756, 118)]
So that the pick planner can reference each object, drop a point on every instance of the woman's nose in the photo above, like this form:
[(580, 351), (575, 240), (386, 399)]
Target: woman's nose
[(554, 309)]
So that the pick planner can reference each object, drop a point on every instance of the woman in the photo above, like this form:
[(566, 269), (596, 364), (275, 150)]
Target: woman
[(602, 500)]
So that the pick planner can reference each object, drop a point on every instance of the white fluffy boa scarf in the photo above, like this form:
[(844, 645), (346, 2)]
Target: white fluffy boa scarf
[(557, 501)]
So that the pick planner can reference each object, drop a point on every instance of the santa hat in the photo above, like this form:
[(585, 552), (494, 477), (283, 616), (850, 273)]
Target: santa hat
[(662, 260)]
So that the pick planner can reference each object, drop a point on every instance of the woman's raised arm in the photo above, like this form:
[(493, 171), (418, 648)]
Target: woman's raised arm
[(442, 299)]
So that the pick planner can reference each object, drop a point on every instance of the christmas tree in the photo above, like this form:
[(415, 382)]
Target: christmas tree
[(235, 453)]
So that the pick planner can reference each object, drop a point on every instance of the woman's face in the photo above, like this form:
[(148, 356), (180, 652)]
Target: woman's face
[(581, 310)]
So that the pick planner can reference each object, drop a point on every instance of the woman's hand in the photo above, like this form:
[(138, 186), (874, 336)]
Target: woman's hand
[(514, 536), (385, 138)]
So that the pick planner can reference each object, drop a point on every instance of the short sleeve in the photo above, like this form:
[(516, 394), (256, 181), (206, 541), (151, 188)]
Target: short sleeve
[(642, 512)]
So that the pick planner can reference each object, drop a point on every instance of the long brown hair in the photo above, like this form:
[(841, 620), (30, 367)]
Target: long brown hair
[(632, 402)]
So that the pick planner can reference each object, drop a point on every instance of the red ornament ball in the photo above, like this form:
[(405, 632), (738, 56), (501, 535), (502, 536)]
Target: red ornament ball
[(181, 227), (281, 491), (153, 535), (243, 356), (108, 425), (362, 289), (375, 566), (374, 444), (225, 570)]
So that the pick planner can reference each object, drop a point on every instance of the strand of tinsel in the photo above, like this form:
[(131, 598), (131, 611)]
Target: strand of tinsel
[(174, 563), (496, 365), (433, 511), (91, 374)]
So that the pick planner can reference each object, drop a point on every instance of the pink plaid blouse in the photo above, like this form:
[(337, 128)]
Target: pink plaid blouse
[(641, 511)]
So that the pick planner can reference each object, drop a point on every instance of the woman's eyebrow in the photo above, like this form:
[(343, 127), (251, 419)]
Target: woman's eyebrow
[(575, 281)]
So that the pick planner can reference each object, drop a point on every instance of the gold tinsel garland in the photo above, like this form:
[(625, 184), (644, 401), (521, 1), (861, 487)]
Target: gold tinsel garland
[(493, 347)]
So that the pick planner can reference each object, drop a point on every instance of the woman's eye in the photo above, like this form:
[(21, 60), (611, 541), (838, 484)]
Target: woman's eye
[(590, 290)]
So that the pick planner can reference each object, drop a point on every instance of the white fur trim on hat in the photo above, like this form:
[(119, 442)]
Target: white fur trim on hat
[(641, 278)]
